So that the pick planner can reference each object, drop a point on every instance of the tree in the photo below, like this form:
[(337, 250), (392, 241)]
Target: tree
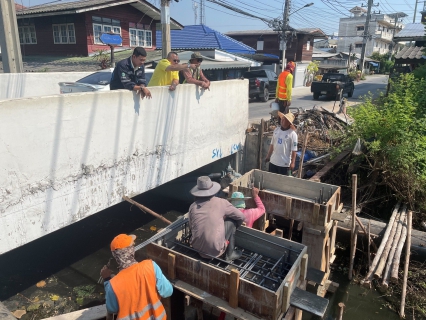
[(383, 59)]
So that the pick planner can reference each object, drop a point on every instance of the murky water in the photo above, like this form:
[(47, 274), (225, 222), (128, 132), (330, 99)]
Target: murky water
[(59, 273)]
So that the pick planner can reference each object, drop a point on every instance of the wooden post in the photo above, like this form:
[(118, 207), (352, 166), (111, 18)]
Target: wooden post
[(305, 141), (171, 266), (341, 309), (353, 252), (261, 132), (368, 248), (407, 262), (286, 297), (234, 284), (397, 257), (145, 209), (370, 240), (354, 191)]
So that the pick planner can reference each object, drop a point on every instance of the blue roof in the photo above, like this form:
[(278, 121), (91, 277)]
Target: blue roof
[(198, 37)]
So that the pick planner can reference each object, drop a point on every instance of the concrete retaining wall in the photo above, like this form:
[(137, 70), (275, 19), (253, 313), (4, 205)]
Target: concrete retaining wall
[(66, 157), (23, 85)]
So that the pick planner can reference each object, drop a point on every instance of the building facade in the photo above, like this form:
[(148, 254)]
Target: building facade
[(74, 28), (381, 30)]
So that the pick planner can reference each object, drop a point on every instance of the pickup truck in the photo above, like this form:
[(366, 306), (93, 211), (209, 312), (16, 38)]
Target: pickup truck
[(331, 84), (262, 84)]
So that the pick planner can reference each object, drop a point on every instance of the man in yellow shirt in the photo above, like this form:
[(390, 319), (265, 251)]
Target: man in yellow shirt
[(284, 87), (166, 72)]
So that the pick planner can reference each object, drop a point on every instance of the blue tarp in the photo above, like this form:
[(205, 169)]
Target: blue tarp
[(374, 64)]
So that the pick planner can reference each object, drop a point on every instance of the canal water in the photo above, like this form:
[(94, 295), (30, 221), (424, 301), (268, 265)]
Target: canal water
[(59, 273)]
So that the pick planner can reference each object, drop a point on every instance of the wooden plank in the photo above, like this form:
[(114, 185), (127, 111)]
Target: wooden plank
[(339, 216), (308, 302), (234, 284), (315, 275), (315, 217), (286, 297), (330, 165), (304, 267), (279, 233), (211, 300), (171, 266), (93, 313)]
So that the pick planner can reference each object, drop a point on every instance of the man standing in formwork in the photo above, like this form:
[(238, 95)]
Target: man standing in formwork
[(284, 87)]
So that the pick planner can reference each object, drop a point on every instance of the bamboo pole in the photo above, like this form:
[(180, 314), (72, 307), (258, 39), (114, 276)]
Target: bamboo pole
[(145, 209), (376, 259), (305, 142), (363, 229), (368, 248), (396, 240), (397, 257), (353, 252), (382, 262), (341, 309), (407, 262), (354, 191)]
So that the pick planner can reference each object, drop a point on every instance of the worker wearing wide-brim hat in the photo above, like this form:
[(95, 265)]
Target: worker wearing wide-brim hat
[(251, 214), (213, 222), (282, 151), (137, 288)]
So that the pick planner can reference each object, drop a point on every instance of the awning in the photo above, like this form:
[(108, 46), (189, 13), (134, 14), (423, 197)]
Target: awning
[(374, 64)]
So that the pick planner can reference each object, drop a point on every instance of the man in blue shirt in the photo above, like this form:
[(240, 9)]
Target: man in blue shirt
[(130, 74)]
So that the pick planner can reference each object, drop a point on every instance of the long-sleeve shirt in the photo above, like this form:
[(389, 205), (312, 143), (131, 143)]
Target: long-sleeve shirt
[(254, 213), (164, 288), (289, 87), (194, 76), (206, 220), (125, 76)]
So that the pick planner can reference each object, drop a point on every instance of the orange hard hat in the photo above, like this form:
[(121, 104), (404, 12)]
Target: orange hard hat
[(122, 241)]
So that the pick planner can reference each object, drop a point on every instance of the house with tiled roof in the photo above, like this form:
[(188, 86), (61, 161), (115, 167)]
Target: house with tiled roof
[(74, 28)]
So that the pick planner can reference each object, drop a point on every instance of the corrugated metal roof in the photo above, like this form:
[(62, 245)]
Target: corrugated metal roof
[(201, 37), (411, 30), (89, 5), (411, 53)]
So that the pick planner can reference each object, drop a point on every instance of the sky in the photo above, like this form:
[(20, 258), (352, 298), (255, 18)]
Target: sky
[(323, 14)]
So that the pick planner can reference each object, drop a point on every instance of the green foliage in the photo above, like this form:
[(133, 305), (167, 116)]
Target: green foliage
[(313, 67), (352, 74), (84, 291), (393, 129), (103, 58), (420, 72), (385, 64)]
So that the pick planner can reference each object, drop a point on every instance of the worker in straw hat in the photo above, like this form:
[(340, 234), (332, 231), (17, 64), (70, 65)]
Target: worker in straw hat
[(252, 214), (282, 150), (213, 222), (196, 76), (134, 293), (284, 87)]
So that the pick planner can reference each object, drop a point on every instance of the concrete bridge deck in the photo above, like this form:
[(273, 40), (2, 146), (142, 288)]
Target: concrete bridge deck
[(66, 157)]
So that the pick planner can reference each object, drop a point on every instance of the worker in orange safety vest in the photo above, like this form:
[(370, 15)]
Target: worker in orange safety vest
[(284, 87), (134, 293)]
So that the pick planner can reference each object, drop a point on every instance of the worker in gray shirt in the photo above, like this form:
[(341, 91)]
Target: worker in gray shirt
[(213, 222)]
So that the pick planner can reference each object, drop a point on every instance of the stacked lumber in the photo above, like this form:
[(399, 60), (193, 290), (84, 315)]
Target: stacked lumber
[(386, 262)]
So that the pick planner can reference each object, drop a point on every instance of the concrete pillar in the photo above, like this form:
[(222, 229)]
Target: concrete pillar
[(9, 38)]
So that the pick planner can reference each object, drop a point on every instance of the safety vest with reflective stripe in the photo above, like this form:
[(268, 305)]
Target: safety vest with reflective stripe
[(136, 292), (282, 87)]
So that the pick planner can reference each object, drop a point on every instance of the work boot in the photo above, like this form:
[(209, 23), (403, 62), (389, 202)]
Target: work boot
[(231, 253)]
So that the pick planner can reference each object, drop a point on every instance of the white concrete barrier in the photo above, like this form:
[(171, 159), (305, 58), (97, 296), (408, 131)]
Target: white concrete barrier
[(66, 157), (33, 84)]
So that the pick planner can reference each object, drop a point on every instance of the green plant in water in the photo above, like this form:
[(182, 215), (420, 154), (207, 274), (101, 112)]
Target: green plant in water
[(84, 291)]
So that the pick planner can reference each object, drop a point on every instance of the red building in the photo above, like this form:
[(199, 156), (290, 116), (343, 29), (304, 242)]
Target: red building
[(74, 28), (299, 46)]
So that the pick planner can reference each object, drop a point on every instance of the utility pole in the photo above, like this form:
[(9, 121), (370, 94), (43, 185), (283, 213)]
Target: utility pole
[(202, 12), (351, 48), (392, 44), (9, 38), (415, 12), (165, 28), (284, 29), (365, 36)]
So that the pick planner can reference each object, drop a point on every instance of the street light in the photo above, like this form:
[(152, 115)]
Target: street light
[(285, 26), (305, 6)]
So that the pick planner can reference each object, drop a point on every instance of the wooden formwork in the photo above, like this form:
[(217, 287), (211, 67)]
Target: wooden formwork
[(297, 199), (206, 282)]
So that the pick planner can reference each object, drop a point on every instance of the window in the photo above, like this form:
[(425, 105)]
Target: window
[(104, 25), (308, 45), (27, 35), (259, 45), (63, 33), (140, 38), (358, 45), (360, 28)]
